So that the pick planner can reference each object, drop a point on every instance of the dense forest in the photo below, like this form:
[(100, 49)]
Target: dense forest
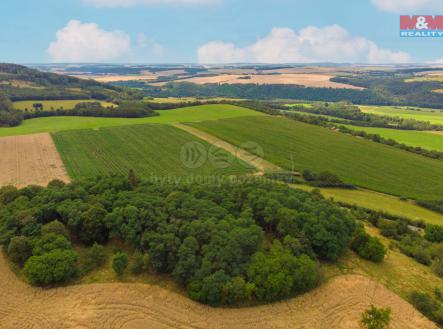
[(225, 243)]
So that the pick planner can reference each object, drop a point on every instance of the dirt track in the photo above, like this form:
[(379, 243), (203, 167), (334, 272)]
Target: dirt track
[(336, 305), (30, 159), (260, 164)]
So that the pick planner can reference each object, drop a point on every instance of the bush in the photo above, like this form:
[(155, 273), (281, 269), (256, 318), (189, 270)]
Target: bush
[(376, 318), (437, 267), (120, 263), (434, 233), (95, 257), (54, 267), (140, 263), (20, 249), (50, 242), (392, 229), (368, 247), (324, 179), (423, 257), (55, 227), (427, 306)]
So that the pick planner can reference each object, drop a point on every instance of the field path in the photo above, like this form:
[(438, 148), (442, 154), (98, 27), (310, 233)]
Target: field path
[(30, 159), (259, 163), (337, 304)]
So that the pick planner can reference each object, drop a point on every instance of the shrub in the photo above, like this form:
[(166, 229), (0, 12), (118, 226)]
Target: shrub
[(55, 227), (423, 257), (50, 242), (20, 249), (376, 318), (434, 233), (120, 263), (368, 247), (95, 257), (437, 267), (54, 267), (140, 263), (427, 306)]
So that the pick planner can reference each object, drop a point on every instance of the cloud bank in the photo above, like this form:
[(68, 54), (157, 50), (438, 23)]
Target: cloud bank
[(311, 44), (418, 7)]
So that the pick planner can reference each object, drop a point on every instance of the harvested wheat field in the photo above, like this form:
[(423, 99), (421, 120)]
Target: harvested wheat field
[(30, 159), (308, 80), (337, 304)]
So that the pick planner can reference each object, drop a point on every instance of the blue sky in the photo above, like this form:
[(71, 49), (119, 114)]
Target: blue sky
[(216, 31)]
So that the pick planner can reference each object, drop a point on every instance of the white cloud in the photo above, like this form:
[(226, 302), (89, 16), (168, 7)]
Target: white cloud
[(149, 45), (87, 42), (311, 44), (127, 3), (408, 6)]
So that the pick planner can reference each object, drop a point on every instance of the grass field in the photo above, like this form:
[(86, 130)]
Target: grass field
[(47, 105), (298, 146), (187, 114), (379, 202), (426, 140), (147, 149), (433, 116), (305, 105)]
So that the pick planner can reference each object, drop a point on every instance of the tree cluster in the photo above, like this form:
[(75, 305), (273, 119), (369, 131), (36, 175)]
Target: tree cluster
[(225, 243)]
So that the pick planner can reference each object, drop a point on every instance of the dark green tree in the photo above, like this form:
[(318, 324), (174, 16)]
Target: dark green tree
[(119, 263)]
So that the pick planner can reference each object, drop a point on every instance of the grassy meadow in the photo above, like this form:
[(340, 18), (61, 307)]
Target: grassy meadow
[(150, 150), (298, 146), (53, 105), (379, 202), (432, 116), (186, 114), (426, 140)]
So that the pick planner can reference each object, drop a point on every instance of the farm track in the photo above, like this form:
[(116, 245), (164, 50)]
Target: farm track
[(337, 304), (30, 160), (260, 164)]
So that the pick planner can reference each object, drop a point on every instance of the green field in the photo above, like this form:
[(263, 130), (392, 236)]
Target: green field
[(426, 140), (186, 114), (147, 149), (379, 202), (48, 105), (305, 105), (432, 116), (298, 146)]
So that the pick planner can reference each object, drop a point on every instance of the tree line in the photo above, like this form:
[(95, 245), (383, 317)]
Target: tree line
[(125, 109)]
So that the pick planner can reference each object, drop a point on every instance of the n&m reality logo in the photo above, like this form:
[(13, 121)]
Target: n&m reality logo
[(425, 26)]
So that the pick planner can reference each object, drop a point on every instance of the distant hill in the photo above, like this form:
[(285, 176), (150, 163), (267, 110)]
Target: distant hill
[(19, 82)]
